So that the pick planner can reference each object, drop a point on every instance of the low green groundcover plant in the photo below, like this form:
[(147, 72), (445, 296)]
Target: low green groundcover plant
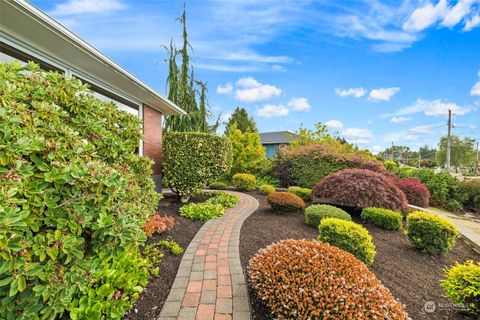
[(431, 233), (226, 200), (315, 213), (348, 236), (74, 195), (218, 185), (383, 218), (202, 211), (267, 189), (462, 285), (304, 193), (244, 181)]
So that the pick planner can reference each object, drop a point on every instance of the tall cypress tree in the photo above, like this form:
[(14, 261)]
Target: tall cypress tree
[(182, 89), (243, 122)]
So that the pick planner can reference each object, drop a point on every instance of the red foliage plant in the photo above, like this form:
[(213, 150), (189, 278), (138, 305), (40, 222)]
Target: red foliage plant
[(285, 201), (360, 188), (308, 279), (416, 192), (159, 224)]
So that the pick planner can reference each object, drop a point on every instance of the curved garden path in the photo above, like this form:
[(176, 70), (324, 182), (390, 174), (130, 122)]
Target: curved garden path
[(210, 283)]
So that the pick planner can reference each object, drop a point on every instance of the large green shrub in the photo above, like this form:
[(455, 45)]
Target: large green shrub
[(244, 181), (348, 236), (315, 213), (73, 198), (192, 160), (471, 194), (431, 233), (462, 285), (247, 150), (383, 218)]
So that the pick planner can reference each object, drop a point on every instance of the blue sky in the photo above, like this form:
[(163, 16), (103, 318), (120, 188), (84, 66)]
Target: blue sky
[(374, 71)]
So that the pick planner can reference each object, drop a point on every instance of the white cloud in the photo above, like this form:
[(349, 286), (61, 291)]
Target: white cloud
[(430, 108), (472, 23), (350, 92), (357, 135), (271, 110), (399, 119), (334, 124), (425, 16), (476, 88), (424, 129), (225, 89), (86, 6), (250, 90), (299, 104), (383, 94), (456, 13)]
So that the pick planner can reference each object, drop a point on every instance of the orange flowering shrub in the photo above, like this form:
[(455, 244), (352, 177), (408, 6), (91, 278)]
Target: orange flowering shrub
[(285, 201), (159, 224), (307, 279)]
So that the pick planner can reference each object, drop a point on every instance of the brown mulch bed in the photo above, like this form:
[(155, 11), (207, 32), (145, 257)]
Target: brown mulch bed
[(410, 275), (154, 295)]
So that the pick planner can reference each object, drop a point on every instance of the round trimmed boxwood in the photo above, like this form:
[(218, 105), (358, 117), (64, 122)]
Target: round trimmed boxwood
[(348, 236), (267, 189), (217, 185), (431, 233), (308, 279), (383, 218), (244, 181), (192, 160), (304, 193), (316, 212), (285, 202)]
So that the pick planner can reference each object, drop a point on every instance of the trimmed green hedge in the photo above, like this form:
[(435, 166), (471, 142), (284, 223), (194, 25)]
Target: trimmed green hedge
[(315, 213), (304, 193), (192, 160), (73, 197), (218, 186), (348, 236), (244, 181), (383, 218), (431, 233), (267, 189)]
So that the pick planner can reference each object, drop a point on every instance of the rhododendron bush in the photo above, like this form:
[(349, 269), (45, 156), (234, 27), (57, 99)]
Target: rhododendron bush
[(307, 279), (360, 188)]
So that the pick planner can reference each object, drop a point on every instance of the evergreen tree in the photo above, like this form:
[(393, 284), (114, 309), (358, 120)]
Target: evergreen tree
[(243, 122), (247, 150), (182, 89)]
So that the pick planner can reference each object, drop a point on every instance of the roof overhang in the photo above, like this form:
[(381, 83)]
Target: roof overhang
[(33, 28)]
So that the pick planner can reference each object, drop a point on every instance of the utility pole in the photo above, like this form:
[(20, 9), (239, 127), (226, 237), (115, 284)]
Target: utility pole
[(449, 142)]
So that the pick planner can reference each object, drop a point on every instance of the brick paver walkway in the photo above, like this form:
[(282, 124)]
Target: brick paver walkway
[(210, 283)]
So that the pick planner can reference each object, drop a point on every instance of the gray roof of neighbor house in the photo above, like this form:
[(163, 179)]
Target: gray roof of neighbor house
[(277, 137), (24, 25)]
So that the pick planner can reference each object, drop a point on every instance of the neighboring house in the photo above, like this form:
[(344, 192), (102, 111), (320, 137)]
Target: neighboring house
[(274, 140), (28, 34)]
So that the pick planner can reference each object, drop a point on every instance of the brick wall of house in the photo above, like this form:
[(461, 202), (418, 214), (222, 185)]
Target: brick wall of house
[(152, 141)]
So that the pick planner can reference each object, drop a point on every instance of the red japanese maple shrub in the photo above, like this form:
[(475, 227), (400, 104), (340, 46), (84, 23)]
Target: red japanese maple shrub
[(159, 224), (360, 188), (416, 192)]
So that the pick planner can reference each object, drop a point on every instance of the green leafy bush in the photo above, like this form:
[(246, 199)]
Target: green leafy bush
[(462, 285), (247, 150), (202, 211), (192, 160), (348, 236), (244, 181), (471, 190), (74, 195), (285, 202), (174, 247), (315, 213), (267, 189), (383, 218), (218, 185), (304, 193), (226, 200), (453, 205), (431, 233)]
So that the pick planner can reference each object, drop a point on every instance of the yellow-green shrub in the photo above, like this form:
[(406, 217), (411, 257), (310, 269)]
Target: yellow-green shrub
[(307, 279), (315, 213), (267, 189), (462, 285), (383, 218), (74, 195), (348, 236), (431, 233), (244, 181), (304, 193)]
